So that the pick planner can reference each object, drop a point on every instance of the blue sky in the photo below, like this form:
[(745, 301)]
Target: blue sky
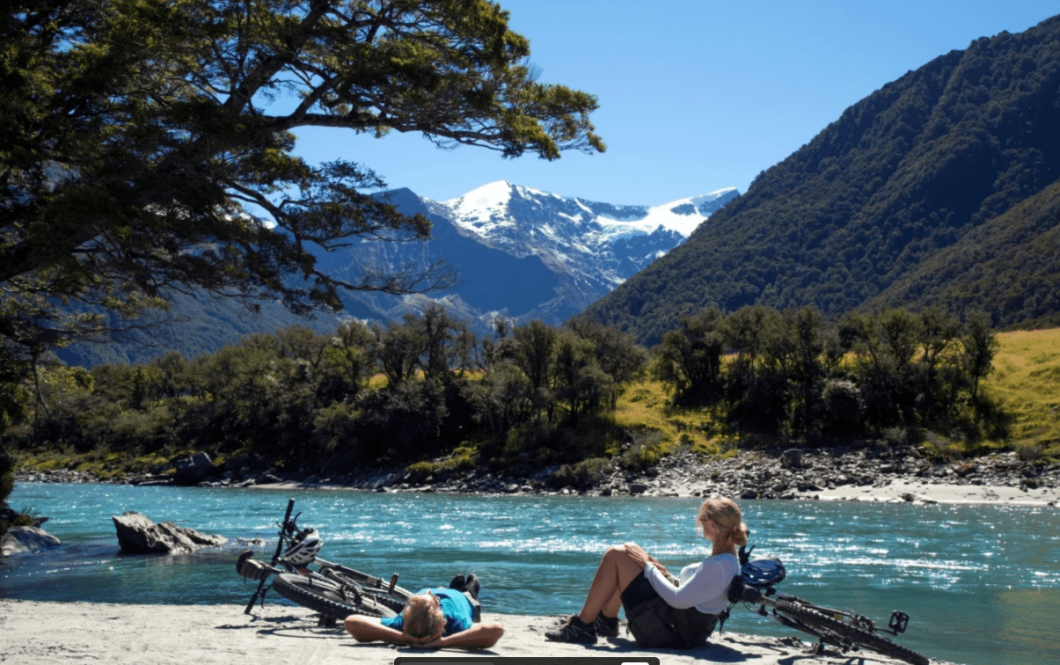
[(694, 95)]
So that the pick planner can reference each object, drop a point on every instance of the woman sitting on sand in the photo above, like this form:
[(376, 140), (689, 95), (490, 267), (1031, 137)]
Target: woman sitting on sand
[(662, 611), (432, 618)]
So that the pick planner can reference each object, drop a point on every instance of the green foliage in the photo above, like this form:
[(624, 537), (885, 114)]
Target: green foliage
[(7, 476), (788, 377), (938, 189), (308, 402), (15, 397), (501, 400), (535, 347), (141, 152), (689, 359), (419, 472), (586, 473), (645, 451), (980, 345), (580, 384)]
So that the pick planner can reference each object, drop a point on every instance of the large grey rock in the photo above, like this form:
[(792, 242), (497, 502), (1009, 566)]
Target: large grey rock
[(194, 471), (791, 459), (267, 478), (137, 534), (19, 539)]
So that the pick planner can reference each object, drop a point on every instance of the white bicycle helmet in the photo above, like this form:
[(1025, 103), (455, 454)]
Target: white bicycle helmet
[(305, 548)]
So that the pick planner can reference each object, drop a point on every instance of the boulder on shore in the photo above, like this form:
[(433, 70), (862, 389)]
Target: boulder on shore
[(137, 534), (19, 539), (193, 471)]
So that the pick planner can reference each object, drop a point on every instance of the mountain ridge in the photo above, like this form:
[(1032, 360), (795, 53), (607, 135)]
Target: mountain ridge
[(901, 175)]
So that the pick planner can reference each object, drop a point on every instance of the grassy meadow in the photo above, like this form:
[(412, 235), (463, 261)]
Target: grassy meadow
[(1025, 383)]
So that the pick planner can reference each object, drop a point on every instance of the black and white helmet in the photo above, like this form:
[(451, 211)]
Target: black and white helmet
[(305, 548)]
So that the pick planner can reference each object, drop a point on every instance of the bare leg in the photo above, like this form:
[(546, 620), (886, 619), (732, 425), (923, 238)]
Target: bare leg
[(614, 574)]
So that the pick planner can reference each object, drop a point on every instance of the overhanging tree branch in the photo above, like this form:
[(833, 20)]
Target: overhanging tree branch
[(141, 150)]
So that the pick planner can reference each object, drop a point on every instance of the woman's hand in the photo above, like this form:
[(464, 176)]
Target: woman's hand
[(427, 642), (424, 642), (636, 553)]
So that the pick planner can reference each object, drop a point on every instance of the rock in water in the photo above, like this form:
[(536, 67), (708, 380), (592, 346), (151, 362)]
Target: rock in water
[(19, 539), (137, 534)]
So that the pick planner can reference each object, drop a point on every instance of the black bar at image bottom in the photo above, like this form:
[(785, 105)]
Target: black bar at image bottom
[(530, 660)]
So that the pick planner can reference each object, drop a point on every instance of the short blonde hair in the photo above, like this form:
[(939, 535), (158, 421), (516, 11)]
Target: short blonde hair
[(423, 617), (728, 516)]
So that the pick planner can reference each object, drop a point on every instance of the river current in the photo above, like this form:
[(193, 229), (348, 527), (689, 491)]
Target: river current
[(980, 583)]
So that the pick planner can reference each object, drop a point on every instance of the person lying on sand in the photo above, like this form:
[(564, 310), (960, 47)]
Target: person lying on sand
[(433, 618), (663, 611)]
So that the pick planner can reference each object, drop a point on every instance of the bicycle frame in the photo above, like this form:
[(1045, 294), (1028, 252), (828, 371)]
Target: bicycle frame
[(769, 596), (755, 586), (328, 572)]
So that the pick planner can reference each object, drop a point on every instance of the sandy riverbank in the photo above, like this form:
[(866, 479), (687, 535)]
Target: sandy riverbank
[(923, 491), (35, 632)]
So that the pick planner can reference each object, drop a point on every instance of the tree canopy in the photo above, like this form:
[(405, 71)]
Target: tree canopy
[(148, 145)]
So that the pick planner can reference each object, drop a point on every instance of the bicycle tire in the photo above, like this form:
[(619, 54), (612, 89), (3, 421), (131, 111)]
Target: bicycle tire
[(858, 636), (395, 599), (327, 599)]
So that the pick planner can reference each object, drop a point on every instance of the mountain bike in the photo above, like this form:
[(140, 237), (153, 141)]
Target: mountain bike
[(845, 630), (334, 591)]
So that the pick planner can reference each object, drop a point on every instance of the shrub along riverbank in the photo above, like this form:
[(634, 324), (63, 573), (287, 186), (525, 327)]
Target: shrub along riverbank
[(568, 405)]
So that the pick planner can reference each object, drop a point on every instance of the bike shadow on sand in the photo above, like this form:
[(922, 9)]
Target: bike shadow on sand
[(287, 625)]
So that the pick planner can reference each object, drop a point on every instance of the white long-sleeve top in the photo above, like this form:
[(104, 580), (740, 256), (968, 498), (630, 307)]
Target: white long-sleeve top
[(701, 585)]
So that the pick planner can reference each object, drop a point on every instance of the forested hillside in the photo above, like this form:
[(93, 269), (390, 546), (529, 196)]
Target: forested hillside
[(1007, 266), (930, 162)]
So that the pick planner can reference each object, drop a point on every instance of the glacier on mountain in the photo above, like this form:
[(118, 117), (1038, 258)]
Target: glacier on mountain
[(610, 242), (529, 254)]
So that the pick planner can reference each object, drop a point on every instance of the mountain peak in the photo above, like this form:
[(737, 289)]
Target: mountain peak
[(488, 208)]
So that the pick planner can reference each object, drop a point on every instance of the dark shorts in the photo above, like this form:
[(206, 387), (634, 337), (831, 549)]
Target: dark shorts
[(654, 623), (639, 591)]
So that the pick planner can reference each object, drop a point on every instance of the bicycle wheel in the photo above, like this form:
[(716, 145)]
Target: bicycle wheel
[(371, 587), (328, 599), (853, 634)]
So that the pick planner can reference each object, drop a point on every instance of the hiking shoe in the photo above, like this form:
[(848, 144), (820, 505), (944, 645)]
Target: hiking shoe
[(574, 630), (472, 586), (606, 626), (469, 583)]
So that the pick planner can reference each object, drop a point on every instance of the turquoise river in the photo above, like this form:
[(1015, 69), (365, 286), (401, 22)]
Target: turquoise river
[(980, 583)]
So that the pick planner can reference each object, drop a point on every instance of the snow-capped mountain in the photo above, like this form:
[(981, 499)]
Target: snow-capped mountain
[(528, 254), (601, 241)]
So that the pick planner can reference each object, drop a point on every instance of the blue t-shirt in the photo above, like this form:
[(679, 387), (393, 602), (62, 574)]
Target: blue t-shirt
[(455, 606)]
